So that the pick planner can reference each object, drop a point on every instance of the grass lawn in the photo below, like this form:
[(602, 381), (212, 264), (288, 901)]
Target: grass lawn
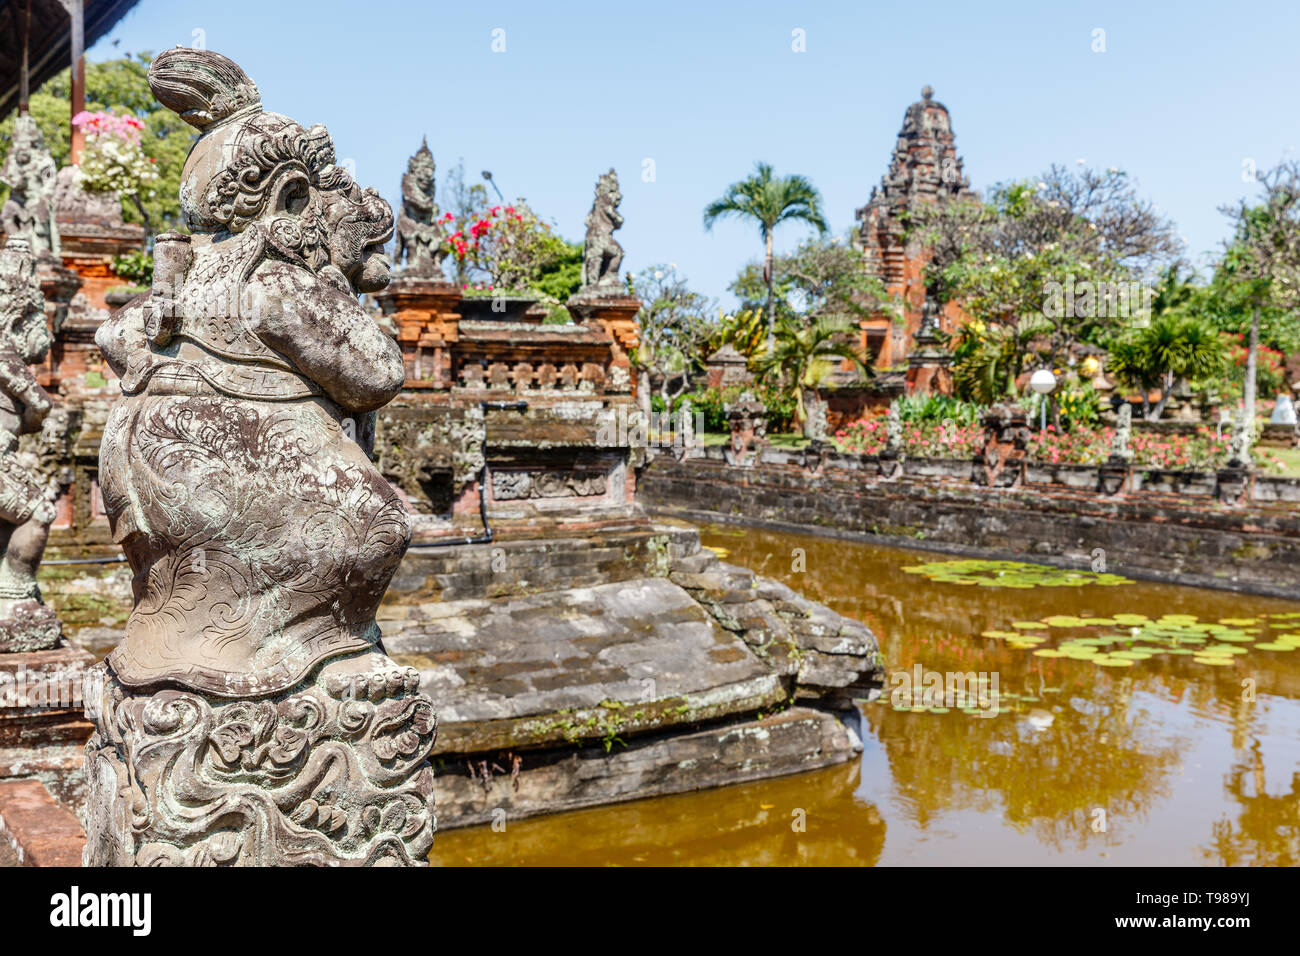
[(794, 440), (1290, 460)]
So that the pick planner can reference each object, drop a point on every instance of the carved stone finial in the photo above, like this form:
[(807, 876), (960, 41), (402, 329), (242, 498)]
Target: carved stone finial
[(602, 255), (927, 92), (26, 494), (249, 716), (420, 234), (1119, 443), (32, 177)]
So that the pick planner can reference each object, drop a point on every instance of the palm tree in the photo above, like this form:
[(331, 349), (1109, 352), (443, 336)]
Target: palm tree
[(801, 357), (1173, 349), (768, 201)]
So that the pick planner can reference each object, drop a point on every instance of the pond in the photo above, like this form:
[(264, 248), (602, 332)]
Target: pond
[(1134, 723)]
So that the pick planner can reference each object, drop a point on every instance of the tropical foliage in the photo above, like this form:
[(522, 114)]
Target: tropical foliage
[(767, 201), (674, 325), (120, 87), (802, 358)]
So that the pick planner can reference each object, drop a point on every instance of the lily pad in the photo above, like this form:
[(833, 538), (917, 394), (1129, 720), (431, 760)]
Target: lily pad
[(1010, 574)]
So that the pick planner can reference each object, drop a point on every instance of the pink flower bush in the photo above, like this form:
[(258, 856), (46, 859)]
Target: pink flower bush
[(1081, 445), (114, 159)]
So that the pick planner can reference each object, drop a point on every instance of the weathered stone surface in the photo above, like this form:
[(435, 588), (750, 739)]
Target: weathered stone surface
[(578, 664), (330, 773), (32, 177), (793, 741), (235, 479), (1057, 515), (27, 491)]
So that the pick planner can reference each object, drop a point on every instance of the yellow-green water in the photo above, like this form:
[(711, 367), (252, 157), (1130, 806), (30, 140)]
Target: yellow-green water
[(1167, 761)]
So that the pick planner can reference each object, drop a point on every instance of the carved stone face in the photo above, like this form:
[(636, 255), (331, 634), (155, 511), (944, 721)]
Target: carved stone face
[(356, 224), (33, 337)]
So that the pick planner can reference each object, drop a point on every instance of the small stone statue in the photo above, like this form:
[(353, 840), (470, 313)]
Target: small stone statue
[(26, 494), (602, 255), (893, 432), (420, 235), (1119, 450), (32, 178), (250, 715), (1242, 440)]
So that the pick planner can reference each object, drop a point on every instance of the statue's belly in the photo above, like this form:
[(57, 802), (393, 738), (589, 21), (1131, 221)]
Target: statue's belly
[(261, 536)]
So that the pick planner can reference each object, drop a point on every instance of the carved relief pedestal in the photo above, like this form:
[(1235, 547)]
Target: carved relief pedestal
[(331, 772)]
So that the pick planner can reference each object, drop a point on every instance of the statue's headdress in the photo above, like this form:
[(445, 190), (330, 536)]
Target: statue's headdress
[(246, 158)]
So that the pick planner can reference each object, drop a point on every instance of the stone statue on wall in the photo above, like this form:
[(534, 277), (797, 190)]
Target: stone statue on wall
[(420, 236), (26, 493), (1119, 450), (32, 178), (1242, 440), (602, 255), (893, 432), (250, 716)]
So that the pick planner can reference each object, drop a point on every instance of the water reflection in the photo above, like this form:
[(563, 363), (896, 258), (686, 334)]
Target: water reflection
[(1163, 762)]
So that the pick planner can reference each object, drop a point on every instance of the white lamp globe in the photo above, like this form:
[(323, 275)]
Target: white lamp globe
[(1042, 381)]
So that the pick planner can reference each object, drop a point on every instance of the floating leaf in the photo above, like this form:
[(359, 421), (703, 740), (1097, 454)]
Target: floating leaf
[(1274, 646), (1010, 574)]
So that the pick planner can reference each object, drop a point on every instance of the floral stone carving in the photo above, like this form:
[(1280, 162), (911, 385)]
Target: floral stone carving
[(27, 493), (249, 716)]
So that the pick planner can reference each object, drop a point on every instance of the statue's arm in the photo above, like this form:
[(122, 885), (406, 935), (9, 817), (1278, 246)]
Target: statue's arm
[(329, 337), (122, 335), (33, 402)]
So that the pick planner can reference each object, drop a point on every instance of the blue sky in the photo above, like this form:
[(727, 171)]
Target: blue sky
[(1182, 96)]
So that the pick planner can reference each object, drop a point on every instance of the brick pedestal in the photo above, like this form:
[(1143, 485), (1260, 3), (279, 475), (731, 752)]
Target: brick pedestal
[(616, 315), (426, 312)]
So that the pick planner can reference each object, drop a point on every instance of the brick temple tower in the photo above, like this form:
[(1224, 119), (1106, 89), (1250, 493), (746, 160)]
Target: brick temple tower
[(925, 166)]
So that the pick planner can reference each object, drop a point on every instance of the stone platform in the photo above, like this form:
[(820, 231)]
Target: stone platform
[(658, 669)]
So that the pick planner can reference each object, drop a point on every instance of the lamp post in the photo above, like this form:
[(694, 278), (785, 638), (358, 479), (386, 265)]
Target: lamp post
[(1042, 382), (487, 174)]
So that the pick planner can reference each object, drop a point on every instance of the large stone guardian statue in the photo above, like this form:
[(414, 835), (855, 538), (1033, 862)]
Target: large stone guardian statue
[(250, 716)]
